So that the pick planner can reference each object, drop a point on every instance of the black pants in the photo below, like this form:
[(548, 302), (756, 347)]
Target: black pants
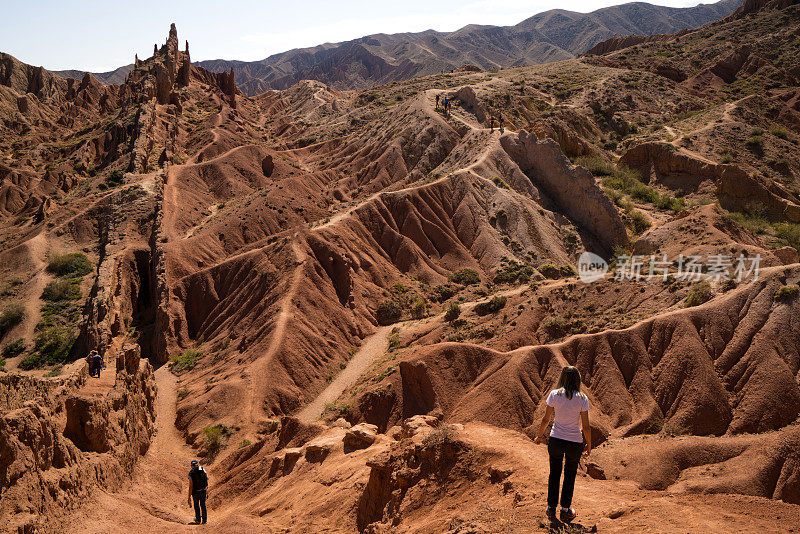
[(568, 453), (199, 498)]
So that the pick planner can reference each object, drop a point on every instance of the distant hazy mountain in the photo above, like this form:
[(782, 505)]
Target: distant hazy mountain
[(549, 36)]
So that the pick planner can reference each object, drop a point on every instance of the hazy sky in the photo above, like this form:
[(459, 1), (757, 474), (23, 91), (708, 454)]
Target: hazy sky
[(102, 35)]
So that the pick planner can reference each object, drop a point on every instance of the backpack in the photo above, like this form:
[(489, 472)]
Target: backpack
[(199, 479)]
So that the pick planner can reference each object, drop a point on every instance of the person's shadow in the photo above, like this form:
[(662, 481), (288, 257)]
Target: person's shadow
[(556, 526)]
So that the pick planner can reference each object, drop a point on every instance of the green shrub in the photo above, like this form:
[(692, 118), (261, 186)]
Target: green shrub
[(753, 220), (755, 142), (453, 312), (394, 341), (60, 290), (443, 292), (388, 312), (728, 284), (500, 183), (183, 393), (555, 326), (420, 309), (465, 277), (552, 272), (73, 264), (624, 180), (244, 443), (549, 270), (596, 165), (10, 288), (15, 348), (115, 178), (639, 221), (12, 315), (494, 305), (514, 271), (787, 293), (214, 438), (52, 346), (699, 293), (185, 361), (779, 132), (790, 233)]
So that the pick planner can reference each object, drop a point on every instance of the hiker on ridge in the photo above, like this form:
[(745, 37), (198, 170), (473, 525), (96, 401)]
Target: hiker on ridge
[(95, 362), (198, 489), (569, 436), (491, 123), (437, 101)]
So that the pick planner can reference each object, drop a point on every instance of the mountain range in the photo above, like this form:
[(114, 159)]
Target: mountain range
[(549, 36)]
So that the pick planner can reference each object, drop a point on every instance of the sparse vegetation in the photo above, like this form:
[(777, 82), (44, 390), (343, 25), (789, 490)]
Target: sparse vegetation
[(388, 312), (465, 277), (755, 142), (73, 264), (442, 435), (15, 348), (639, 221), (555, 326), (183, 393), (552, 272), (52, 345), (11, 316), (499, 182), (214, 438), (420, 309), (61, 290), (618, 180), (789, 233), (453, 312), (493, 305), (394, 341), (699, 293), (443, 292), (512, 271), (185, 361), (779, 131), (753, 219), (787, 293)]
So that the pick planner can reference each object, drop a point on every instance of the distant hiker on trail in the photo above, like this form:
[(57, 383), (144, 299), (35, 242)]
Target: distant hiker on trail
[(445, 105), (437, 101), (569, 436), (95, 362), (198, 488), (491, 123), (500, 120)]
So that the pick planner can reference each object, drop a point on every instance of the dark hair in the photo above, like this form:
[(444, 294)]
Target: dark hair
[(570, 381)]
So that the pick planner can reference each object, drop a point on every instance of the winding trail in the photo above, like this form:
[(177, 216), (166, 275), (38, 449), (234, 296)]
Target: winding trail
[(154, 499), (373, 347)]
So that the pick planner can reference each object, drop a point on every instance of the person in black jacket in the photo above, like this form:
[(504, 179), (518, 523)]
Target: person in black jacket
[(198, 489)]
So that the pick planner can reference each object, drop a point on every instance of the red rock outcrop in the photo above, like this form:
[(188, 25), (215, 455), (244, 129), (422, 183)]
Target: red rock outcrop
[(572, 188), (735, 189), (55, 448)]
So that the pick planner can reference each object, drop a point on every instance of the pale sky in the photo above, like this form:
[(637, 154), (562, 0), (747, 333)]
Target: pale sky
[(102, 35)]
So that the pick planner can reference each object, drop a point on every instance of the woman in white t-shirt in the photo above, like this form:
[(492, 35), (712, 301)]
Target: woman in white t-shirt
[(569, 436)]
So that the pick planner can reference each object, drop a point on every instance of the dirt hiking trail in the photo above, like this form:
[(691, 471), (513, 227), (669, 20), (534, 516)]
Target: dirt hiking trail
[(373, 347), (155, 498)]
